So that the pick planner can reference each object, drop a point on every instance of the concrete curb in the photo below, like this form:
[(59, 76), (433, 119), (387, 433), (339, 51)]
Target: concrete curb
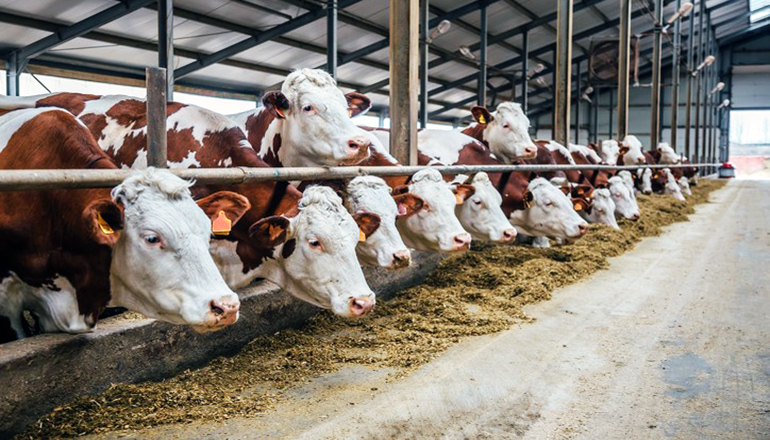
[(39, 373)]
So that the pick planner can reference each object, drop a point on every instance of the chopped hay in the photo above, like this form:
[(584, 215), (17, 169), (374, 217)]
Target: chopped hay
[(480, 292)]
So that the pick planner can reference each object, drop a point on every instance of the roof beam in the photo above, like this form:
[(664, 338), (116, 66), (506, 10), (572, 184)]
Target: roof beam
[(75, 30), (256, 40)]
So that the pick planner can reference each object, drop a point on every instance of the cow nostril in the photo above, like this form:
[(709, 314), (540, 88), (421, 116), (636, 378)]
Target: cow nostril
[(583, 227), (509, 234), (216, 308), (361, 306)]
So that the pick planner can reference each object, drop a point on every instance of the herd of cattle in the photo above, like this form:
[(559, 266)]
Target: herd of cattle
[(147, 245)]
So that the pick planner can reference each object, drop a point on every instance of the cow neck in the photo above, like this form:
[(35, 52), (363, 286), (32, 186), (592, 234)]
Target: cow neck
[(544, 157), (258, 127), (378, 159), (477, 132)]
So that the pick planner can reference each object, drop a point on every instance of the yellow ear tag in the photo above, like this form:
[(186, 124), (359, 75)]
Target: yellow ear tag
[(482, 120), (361, 236), (459, 199), (578, 206), (221, 225), (103, 225), (350, 113)]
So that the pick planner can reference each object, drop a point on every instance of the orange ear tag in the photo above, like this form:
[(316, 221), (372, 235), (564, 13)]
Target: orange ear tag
[(103, 225), (361, 236), (221, 225), (578, 206), (459, 199), (280, 113)]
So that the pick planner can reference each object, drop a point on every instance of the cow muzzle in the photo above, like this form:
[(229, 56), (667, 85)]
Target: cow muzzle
[(357, 150), (222, 312), (361, 306), (508, 235), (401, 259), (462, 242)]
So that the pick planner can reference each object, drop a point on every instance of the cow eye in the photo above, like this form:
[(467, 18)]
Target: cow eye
[(506, 126), (548, 203), (152, 239), (307, 109), (477, 202), (617, 194), (315, 244)]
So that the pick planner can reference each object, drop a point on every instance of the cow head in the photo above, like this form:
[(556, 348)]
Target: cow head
[(667, 154), (671, 186), (161, 266), (609, 151), (631, 150), (506, 131), (435, 227), (481, 215), (645, 180), (384, 247), (684, 185), (316, 127), (315, 252), (548, 212), (625, 202), (602, 209)]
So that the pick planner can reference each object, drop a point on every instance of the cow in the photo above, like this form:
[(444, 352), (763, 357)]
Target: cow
[(481, 216), (684, 186), (505, 132), (667, 155), (383, 248), (625, 203), (631, 151), (608, 151), (307, 123), (671, 186), (602, 209), (201, 138), (629, 181), (66, 255)]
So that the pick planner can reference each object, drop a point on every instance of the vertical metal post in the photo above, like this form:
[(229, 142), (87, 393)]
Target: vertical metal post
[(331, 38), (424, 69), (610, 133), (482, 86), (553, 97), (577, 104), (624, 59), (404, 70), (166, 43), (725, 156), (705, 73), (708, 106), (563, 67), (690, 68), (655, 90), (675, 77), (698, 89), (595, 111), (12, 71), (156, 117), (524, 71)]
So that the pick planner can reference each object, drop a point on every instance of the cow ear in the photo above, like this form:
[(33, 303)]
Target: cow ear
[(270, 231), (368, 223), (580, 204), (104, 219), (400, 189), (277, 103), (482, 115), (358, 104), (463, 192), (224, 208), (408, 204)]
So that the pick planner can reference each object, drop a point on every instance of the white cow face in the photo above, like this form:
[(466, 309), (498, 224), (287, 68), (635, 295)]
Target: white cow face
[(435, 227), (317, 129), (672, 187), (506, 131), (684, 185), (632, 151), (481, 215), (609, 152), (667, 154), (161, 266), (602, 209), (625, 203), (384, 247), (646, 181), (628, 180), (550, 213), (315, 256)]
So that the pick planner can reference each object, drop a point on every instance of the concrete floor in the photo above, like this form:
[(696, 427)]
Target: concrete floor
[(672, 341)]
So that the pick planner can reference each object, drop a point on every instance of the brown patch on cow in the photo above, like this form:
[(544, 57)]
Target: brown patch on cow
[(256, 129), (288, 248), (476, 132), (96, 124), (544, 157), (73, 102)]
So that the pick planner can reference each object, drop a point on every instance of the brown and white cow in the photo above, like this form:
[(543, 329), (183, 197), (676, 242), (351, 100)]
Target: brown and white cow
[(66, 255), (307, 123), (276, 238), (505, 132)]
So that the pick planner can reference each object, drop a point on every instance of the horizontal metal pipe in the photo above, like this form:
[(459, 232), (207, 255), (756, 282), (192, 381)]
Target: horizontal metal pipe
[(24, 180)]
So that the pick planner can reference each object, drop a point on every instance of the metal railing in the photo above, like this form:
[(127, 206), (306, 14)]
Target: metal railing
[(24, 180)]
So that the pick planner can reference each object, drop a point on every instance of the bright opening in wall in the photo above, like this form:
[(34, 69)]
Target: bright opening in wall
[(760, 10)]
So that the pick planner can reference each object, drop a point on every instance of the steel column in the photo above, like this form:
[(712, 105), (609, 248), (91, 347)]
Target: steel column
[(424, 67), (705, 90), (156, 118), (331, 38), (577, 105), (166, 43), (525, 72), (690, 69), (563, 68), (553, 97), (624, 46), (610, 133), (404, 69), (12, 73), (699, 54), (482, 81), (675, 78), (655, 90), (595, 111)]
